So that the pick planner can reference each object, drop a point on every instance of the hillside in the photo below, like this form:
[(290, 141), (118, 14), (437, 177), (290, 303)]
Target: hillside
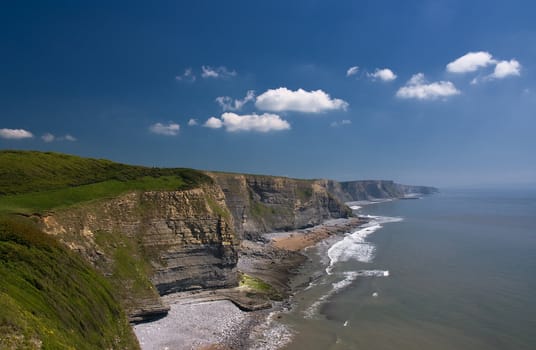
[(51, 299), (38, 181)]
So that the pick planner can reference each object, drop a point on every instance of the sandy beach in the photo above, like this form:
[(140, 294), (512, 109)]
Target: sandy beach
[(209, 320)]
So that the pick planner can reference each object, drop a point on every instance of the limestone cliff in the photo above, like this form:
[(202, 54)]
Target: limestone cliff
[(172, 240), (348, 191), (151, 243), (262, 204)]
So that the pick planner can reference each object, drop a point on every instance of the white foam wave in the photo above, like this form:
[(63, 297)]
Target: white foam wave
[(270, 335), (354, 246), (336, 287), (355, 207)]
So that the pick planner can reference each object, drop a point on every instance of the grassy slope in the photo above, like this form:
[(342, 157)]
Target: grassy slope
[(36, 181), (51, 299)]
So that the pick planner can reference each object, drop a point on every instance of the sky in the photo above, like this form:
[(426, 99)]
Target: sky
[(421, 92)]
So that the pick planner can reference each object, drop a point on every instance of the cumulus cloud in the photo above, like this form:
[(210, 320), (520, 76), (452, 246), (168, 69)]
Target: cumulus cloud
[(228, 104), (69, 137), (283, 99), (417, 87), (192, 122), (352, 71), (340, 123), (170, 129), (504, 69), (216, 72), (471, 62), (233, 122), (213, 123), (188, 75), (15, 134), (48, 137), (384, 74)]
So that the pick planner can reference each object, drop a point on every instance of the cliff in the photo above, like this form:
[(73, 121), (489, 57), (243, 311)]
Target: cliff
[(348, 191), (156, 231), (172, 240), (262, 204)]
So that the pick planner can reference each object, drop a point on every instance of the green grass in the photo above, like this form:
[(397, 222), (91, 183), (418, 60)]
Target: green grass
[(51, 299), (256, 285), (36, 181), (128, 270), (65, 197)]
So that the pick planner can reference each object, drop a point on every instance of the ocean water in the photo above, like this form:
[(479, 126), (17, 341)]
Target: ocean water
[(456, 270)]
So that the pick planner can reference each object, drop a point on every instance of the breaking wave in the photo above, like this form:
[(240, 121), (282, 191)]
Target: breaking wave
[(354, 245)]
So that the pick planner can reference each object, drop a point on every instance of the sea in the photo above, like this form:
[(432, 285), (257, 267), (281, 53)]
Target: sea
[(450, 271)]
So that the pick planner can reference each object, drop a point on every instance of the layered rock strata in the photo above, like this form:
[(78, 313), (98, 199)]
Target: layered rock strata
[(261, 204), (154, 243)]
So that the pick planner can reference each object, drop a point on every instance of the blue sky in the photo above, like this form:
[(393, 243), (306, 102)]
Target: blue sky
[(421, 92)]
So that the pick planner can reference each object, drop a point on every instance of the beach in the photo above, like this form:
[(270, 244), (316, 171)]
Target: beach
[(213, 319)]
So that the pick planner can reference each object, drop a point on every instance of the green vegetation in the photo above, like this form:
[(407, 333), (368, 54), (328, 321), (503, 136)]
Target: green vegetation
[(258, 286), (36, 181), (51, 299), (304, 191), (217, 209), (128, 270)]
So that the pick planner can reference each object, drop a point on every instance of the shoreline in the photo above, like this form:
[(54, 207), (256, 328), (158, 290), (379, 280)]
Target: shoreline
[(212, 320)]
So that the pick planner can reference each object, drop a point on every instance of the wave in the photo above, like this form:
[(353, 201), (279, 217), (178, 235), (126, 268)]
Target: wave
[(270, 335), (354, 245), (336, 287)]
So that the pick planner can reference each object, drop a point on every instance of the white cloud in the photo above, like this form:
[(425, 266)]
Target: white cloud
[(192, 122), (188, 75), (283, 99), (69, 137), (216, 72), (15, 134), (48, 137), (250, 122), (384, 74), (504, 69), (340, 123), (228, 104), (171, 129), (213, 123), (471, 62), (417, 87), (352, 71)]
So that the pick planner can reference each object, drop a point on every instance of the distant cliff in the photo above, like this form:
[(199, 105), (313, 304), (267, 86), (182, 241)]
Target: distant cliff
[(348, 191)]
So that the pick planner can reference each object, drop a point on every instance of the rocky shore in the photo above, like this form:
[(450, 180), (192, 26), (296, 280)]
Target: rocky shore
[(216, 319)]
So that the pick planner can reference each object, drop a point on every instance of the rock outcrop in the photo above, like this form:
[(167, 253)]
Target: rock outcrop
[(154, 243), (262, 204)]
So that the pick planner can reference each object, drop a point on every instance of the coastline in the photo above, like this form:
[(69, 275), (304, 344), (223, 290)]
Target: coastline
[(213, 320)]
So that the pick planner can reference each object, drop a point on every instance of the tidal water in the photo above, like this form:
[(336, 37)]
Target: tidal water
[(456, 270)]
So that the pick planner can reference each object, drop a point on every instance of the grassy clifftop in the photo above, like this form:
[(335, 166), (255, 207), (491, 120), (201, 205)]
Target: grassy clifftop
[(37, 181), (51, 299)]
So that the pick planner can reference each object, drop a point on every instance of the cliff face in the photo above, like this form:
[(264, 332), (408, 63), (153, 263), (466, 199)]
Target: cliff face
[(172, 240), (373, 189), (262, 204), (158, 242)]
